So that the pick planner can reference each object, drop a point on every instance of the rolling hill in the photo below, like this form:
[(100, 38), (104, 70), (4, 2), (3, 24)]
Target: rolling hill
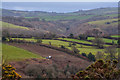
[(62, 16), (65, 23)]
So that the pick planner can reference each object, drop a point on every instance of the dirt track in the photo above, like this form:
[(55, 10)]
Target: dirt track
[(58, 57)]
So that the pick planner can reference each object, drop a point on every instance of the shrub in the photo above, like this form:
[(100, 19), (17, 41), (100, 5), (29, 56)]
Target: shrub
[(71, 35), (111, 52), (99, 42), (74, 44), (49, 43), (39, 71), (39, 41), (8, 73), (82, 37), (99, 55), (4, 38), (63, 47), (83, 54), (99, 70), (34, 70), (75, 50), (70, 69), (70, 45), (91, 57)]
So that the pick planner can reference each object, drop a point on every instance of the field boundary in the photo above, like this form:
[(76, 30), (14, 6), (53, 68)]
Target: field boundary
[(76, 42), (58, 49)]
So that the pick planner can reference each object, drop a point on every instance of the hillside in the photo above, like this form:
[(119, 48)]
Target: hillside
[(107, 26), (65, 23), (62, 16), (9, 25), (11, 53), (59, 59), (18, 30)]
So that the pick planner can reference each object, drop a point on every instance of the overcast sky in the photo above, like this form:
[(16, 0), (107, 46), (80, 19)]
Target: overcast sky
[(60, 0)]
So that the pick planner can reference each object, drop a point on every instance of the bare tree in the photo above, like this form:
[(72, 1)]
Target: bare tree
[(99, 42), (111, 50), (99, 55)]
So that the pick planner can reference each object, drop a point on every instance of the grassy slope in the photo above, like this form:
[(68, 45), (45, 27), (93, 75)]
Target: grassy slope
[(27, 39), (105, 40), (13, 53), (9, 25), (102, 22)]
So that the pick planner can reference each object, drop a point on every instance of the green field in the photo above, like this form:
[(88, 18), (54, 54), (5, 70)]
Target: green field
[(9, 25), (115, 36), (26, 39), (112, 15), (93, 50), (105, 40), (53, 42), (63, 17), (75, 40), (59, 43), (103, 22), (11, 53), (82, 48)]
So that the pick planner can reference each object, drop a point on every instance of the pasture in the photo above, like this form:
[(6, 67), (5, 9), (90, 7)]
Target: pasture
[(75, 40), (11, 53), (115, 36), (82, 48), (26, 39), (106, 22), (9, 25), (104, 39)]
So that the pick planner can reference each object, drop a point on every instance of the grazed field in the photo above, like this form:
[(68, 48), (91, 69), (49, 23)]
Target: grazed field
[(26, 39), (105, 22), (105, 40), (115, 36), (82, 48), (11, 53), (9, 25), (75, 40)]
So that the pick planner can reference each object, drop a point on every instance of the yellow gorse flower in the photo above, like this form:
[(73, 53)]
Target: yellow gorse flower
[(9, 72)]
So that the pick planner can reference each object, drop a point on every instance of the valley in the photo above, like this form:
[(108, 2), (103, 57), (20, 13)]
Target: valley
[(42, 44)]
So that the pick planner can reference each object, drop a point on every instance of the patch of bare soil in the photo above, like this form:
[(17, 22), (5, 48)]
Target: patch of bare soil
[(58, 57)]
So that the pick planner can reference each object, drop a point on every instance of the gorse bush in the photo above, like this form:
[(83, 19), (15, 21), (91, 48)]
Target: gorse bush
[(106, 70), (8, 73)]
